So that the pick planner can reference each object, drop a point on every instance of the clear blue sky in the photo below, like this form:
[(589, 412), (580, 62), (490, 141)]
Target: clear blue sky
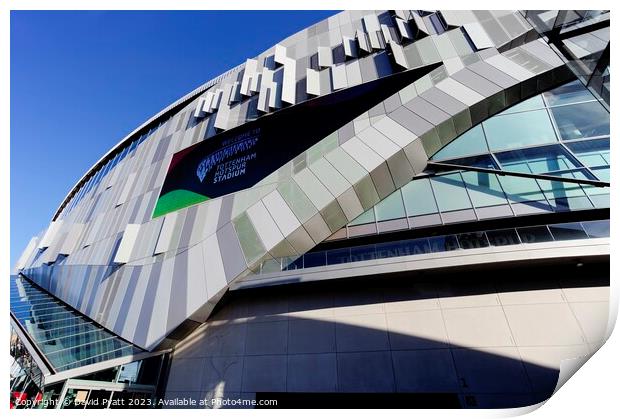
[(81, 81)]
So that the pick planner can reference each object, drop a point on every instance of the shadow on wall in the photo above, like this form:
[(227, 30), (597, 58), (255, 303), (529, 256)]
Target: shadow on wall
[(447, 342)]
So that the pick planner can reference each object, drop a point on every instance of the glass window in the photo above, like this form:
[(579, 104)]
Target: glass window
[(591, 153), (77, 339), (75, 399), (569, 93), (443, 243), (602, 173), (503, 237), (270, 265), (519, 130), (416, 246), (521, 189), (66, 338), (582, 120), (468, 143), (337, 256), (485, 161), (537, 160), (534, 234), (450, 192), (365, 218), (360, 253), (473, 240), (418, 197), (391, 207), (484, 189), (568, 231), (577, 174), (555, 189), (600, 201), (314, 259), (291, 264), (596, 229), (598, 195), (530, 104), (391, 250)]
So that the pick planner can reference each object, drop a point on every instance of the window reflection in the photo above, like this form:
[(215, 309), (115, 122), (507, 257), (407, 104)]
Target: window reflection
[(581, 120), (446, 243), (314, 259), (418, 198), (484, 161), (569, 93), (450, 192), (596, 229), (471, 142), (504, 237), (443, 243), (473, 240), (391, 207), (418, 247), (390, 250), (556, 189), (603, 174), (519, 130), (520, 189), (568, 231), (534, 234), (361, 253), (484, 189), (337, 256), (537, 160), (514, 136), (591, 153)]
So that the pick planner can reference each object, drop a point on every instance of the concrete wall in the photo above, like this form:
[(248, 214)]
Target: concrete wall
[(496, 335)]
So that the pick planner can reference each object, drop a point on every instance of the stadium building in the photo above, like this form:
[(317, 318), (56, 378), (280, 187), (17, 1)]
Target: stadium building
[(397, 208)]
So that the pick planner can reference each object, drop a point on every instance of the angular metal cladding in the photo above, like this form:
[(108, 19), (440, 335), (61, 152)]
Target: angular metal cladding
[(263, 145)]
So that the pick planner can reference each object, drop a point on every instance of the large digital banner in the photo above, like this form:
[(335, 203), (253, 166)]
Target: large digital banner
[(239, 158), (209, 170)]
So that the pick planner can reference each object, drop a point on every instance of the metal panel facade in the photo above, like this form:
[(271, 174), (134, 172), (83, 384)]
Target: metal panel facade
[(391, 144)]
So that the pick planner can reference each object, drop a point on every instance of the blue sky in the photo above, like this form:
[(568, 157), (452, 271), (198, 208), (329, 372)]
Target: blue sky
[(80, 81)]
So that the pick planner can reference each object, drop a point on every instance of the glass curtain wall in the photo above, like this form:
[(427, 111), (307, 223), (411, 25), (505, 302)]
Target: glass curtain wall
[(65, 337), (563, 132)]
